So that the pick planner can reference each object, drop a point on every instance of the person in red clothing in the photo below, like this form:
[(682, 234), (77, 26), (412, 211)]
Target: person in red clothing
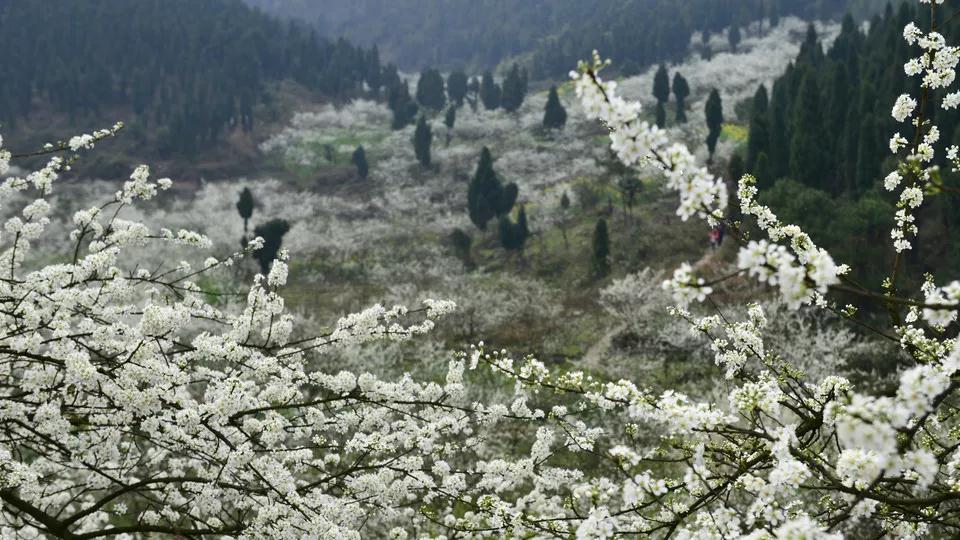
[(714, 238)]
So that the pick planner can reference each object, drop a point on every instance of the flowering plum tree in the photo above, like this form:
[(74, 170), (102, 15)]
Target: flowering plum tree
[(132, 405)]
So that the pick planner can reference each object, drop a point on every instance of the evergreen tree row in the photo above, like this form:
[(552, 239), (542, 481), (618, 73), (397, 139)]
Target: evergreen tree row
[(826, 121)]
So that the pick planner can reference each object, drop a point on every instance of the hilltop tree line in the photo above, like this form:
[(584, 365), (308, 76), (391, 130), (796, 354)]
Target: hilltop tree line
[(482, 33), (190, 70)]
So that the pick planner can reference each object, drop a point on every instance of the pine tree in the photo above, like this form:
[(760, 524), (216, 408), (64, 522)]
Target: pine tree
[(661, 85), (661, 116), (514, 89), (490, 93), (457, 86), (462, 242), (758, 140), (245, 207), (869, 153), (554, 115), (734, 37), (403, 107), (714, 113), (430, 92), (601, 249), (680, 92), (487, 197), (422, 139), (762, 172), (373, 73), (272, 233), (360, 160), (779, 131), (449, 120), (513, 236), (806, 142)]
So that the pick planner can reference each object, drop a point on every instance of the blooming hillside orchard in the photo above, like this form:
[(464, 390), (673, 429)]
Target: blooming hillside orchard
[(132, 405)]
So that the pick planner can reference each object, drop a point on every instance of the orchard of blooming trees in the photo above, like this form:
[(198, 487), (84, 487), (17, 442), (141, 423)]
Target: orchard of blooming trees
[(131, 403)]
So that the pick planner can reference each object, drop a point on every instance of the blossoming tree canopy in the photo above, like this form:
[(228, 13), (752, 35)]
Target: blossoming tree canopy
[(131, 406)]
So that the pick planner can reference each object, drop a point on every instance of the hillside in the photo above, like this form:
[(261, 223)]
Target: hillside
[(184, 75), (553, 35)]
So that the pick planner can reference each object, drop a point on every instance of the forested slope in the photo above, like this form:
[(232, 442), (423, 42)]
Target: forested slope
[(482, 33), (819, 141), (189, 69)]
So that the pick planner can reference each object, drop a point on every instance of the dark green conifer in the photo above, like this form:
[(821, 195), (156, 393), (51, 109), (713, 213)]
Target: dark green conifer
[(422, 139), (360, 161), (245, 207), (554, 114), (272, 233), (601, 249), (714, 113), (681, 89)]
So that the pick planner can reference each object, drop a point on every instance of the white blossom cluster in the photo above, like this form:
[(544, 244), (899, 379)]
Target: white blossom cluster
[(637, 142)]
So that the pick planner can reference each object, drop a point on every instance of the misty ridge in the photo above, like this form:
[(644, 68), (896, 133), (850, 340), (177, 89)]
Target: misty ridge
[(479, 269)]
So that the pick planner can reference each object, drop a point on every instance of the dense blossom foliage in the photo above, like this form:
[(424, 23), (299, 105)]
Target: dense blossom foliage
[(132, 404)]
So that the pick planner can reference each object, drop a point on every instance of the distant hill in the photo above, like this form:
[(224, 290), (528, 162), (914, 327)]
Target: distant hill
[(187, 71), (555, 33)]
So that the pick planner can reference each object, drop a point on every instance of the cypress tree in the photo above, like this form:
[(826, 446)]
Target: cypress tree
[(449, 120), (601, 249), (522, 221), (430, 92), (758, 140), (513, 236), (806, 142), (457, 86), (403, 107), (360, 160), (245, 207), (272, 233), (514, 90), (487, 197), (734, 37), (762, 172), (373, 72), (564, 207), (462, 242), (680, 92), (554, 115), (661, 116), (490, 93), (869, 153), (422, 138), (779, 131), (714, 113), (661, 85)]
